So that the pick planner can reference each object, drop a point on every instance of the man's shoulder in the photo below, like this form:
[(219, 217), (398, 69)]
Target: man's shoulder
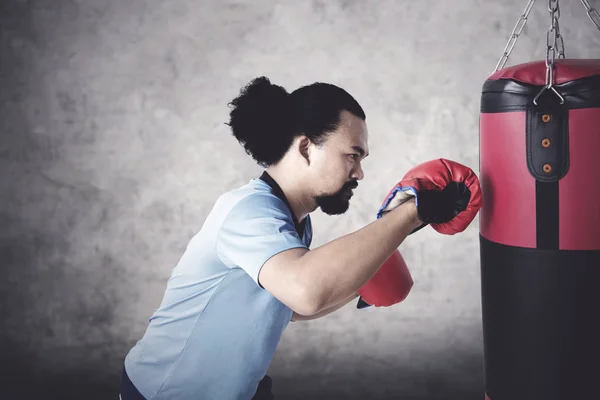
[(253, 197)]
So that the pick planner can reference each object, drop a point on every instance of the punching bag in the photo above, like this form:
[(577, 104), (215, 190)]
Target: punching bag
[(540, 232)]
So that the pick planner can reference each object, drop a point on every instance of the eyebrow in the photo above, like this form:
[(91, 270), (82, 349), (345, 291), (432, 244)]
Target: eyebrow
[(360, 150)]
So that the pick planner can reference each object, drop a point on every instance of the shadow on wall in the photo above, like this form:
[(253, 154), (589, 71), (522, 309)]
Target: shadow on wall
[(386, 382), (23, 380), (55, 334)]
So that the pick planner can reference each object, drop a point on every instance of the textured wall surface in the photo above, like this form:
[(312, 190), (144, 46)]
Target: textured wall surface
[(113, 149)]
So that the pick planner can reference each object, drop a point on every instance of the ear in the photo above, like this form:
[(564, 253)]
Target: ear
[(304, 147)]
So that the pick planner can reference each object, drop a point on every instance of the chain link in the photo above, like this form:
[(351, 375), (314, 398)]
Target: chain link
[(515, 35), (554, 42), (592, 13)]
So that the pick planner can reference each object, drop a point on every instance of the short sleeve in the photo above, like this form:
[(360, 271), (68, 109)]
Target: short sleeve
[(257, 228)]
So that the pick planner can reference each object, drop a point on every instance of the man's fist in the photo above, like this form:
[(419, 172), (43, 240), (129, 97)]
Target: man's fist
[(447, 195)]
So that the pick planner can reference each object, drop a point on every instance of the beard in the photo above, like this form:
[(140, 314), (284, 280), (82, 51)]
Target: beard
[(339, 202)]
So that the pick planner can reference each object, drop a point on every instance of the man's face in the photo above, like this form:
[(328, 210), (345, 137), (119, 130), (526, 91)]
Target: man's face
[(336, 164)]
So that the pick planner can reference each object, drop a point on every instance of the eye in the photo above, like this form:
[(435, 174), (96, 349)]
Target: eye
[(354, 156)]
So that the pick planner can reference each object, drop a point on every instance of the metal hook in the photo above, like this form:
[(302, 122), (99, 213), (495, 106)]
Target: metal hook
[(562, 100)]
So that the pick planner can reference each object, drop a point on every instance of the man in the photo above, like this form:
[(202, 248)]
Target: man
[(248, 272)]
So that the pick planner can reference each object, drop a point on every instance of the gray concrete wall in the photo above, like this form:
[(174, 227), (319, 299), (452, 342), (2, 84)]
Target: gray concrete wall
[(113, 149)]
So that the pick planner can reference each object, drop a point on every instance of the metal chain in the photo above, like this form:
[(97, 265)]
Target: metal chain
[(554, 42), (592, 13), (555, 15), (515, 35)]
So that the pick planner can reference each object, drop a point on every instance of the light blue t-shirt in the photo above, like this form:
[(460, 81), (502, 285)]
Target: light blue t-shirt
[(216, 330)]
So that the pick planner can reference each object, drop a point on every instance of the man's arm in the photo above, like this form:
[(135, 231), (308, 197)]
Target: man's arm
[(298, 317), (311, 281)]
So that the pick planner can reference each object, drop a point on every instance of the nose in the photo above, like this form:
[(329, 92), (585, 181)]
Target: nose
[(357, 173)]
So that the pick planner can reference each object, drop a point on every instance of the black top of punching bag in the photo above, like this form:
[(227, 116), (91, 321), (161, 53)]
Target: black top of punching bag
[(514, 88)]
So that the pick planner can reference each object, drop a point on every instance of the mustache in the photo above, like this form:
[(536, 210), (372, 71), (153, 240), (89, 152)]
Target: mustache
[(351, 185)]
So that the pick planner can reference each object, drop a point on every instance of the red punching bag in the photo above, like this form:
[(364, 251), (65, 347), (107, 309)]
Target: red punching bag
[(540, 230)]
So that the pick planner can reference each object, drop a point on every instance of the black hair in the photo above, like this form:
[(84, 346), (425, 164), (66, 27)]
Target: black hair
[(266, 119)]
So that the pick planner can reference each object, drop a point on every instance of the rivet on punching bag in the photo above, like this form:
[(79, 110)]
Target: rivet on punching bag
[(540, 225)]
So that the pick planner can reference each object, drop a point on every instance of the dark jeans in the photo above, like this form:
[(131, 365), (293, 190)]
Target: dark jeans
[(129, 391), (264, 389)]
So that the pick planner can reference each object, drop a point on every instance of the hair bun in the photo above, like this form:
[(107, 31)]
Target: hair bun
[(261, 117)]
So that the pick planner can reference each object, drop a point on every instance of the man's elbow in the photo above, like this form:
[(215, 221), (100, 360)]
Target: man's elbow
[(308, 302), (285, 277), (308, 298)]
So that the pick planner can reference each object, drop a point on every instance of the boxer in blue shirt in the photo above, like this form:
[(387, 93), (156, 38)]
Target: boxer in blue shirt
[(248, 272)]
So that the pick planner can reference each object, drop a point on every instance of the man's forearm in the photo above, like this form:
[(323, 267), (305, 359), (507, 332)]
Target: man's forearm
[(298, 317), (338, 269)]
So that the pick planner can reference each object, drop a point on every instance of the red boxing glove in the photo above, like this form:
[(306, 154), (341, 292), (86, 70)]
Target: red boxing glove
[(447, 195), (390, 284)]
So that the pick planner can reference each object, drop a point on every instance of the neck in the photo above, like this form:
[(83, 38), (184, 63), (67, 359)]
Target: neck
[(300, 201)]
